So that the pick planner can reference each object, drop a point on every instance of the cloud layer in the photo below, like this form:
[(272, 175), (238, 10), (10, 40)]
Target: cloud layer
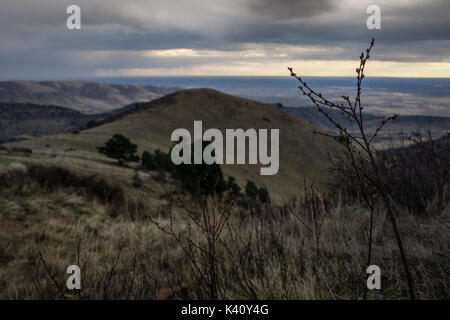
[(201, 37)]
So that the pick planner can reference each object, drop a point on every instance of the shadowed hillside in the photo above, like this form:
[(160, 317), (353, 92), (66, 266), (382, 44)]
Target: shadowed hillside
[(24, 120), (90, 97), (20, 121), (303, 155)]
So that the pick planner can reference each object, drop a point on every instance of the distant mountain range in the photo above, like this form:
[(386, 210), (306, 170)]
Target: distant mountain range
[(87, 97), (404, 124)]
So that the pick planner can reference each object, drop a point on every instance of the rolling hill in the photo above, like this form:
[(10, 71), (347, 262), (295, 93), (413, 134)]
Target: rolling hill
[(87, 97), (303, 155), (25, 120), (20, 121)]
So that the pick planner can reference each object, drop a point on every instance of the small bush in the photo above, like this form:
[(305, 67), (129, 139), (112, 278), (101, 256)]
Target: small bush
[(233, 187), (157, 161), (148, 160), (92, 123), (21, 149), (200, 179), (263, 195), (162, 161), (251, 190), (137, 181)]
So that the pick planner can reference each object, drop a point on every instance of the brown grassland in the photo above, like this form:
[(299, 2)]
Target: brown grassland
[(310, 247)]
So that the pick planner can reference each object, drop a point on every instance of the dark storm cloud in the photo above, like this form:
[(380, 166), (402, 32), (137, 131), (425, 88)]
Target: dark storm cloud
[(35, 41), (290, 9)]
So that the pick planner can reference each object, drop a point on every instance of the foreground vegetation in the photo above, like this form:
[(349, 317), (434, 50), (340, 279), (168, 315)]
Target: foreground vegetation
[(312, 247)]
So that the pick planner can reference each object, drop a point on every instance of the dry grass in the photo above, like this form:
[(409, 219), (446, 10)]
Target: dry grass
[(271, 252)]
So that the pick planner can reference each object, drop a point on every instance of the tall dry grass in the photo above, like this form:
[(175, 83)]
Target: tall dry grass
[(312, 247)]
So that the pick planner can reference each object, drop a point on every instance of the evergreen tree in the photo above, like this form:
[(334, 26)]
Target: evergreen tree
[(121, 148)]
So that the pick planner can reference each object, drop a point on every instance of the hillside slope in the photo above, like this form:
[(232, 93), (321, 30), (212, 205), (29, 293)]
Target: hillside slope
[(20, 121), (303, 155), (89, 97), (25, 120)]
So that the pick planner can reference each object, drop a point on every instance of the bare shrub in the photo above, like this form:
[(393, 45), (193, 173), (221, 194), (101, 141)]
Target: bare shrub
[(206, 218), (360, 153), (418, 173)]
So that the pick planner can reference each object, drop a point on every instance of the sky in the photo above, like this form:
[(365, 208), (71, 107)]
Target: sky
[(226, 37)]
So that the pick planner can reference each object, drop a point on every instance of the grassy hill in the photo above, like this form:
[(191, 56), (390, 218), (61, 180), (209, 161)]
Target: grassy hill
[(89, 97), (303, 155)]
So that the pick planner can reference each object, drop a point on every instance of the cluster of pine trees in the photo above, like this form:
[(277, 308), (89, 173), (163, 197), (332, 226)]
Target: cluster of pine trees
[(198, 179)]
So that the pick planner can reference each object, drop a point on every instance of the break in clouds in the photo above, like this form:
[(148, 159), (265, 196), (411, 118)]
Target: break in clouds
[(211, 35)]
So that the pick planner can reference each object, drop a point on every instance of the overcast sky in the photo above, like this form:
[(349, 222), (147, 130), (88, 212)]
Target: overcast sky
[(226, 37)]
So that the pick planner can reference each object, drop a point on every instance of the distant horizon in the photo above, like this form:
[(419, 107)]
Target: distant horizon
[(381, 94), (92, 78)]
